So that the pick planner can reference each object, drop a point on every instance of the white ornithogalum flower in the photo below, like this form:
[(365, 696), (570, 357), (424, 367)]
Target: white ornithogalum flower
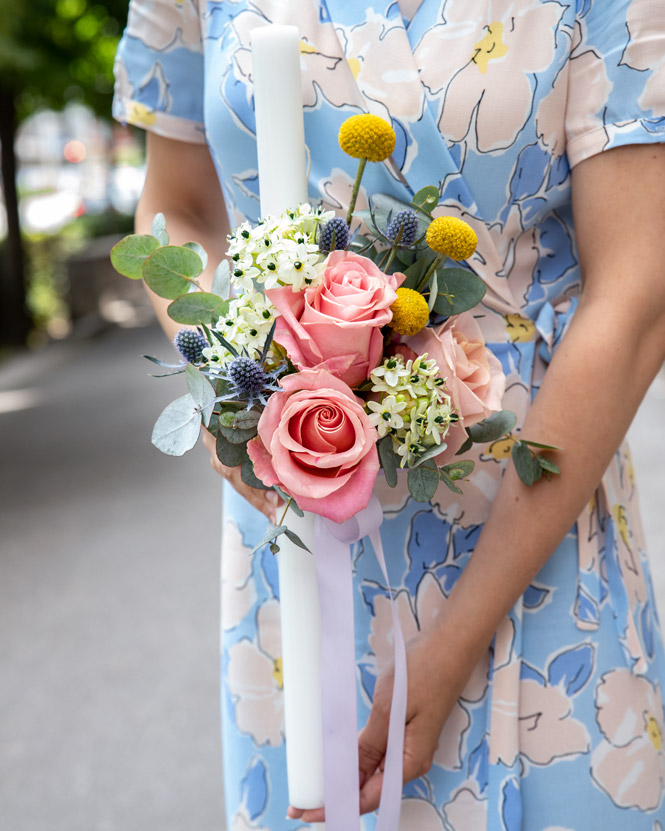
[(385, 415), (389, 376), (245, 326), (279, 250), (418, 389)]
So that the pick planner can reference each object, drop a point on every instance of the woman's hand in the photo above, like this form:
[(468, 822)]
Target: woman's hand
[(265, 501), (436, 677)]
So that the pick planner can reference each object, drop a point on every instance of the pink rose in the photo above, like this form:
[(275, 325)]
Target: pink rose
[(474, 377), (316, 442), (336, 325)]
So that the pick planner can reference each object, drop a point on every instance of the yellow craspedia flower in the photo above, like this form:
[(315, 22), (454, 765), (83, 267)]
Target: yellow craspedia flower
[(410, 312), (452, 237), (367, 137)]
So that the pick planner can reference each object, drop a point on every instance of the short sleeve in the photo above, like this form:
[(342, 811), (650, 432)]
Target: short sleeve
[(159, 69), (616, 81)]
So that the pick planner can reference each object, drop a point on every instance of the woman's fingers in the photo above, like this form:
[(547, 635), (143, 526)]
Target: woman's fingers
[(265, 501)]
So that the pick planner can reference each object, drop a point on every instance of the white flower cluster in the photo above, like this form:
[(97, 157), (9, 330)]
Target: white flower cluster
[(414, 407), (246, 326), (279, 251)]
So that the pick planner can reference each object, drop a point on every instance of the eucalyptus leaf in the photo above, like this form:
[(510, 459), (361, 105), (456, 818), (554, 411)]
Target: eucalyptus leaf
[(385, 204), (170, 269), (201, 391), (542, 446), (423, 482), (448, 482), (526, 465), (235, 435), (229, 454), (159, 229), (405, 256), (426, 198), (221, 281), (129, 255), (547, 465), (389, 460), (433, 291), (250, 478), (415, 273), (459, 290), (197, 248), (295, 539), (246, 419), (492, 428), (432, 451), (459, 470), (468, 444), (196, 308), (272, 533), (177, 429)]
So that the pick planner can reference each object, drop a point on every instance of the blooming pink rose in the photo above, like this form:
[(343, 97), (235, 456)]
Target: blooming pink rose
[(316, 442), (336, 325), (474, 377)]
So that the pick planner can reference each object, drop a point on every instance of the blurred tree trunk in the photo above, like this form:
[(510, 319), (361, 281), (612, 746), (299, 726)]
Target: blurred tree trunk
[(14, 318)]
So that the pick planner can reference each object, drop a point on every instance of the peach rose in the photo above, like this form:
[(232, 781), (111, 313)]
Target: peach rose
[(336, 325), (316, 442), (473, 374)]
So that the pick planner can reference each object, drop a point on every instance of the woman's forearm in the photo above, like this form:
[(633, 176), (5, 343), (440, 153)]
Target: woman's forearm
[(592, 389), (182, 184)]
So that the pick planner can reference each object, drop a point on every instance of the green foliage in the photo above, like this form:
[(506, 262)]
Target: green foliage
[(458, 290), (170, 269), (493, 428), (53, 52), (389, 460), (201, 391), (177, 428), (423, 481), (196, 308), (129, 255)]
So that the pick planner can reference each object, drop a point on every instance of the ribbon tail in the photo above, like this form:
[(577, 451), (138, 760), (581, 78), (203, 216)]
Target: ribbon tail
[(391, 790), (338, 681)]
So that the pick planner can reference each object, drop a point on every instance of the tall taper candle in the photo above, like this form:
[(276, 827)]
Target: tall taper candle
[(280, 138), (280, 132)]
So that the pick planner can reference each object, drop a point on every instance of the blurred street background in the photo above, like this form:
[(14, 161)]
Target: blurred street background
[(109, 551)]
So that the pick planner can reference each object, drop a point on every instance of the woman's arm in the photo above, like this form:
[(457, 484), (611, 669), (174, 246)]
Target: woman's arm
[(592, 389), (181, 182)]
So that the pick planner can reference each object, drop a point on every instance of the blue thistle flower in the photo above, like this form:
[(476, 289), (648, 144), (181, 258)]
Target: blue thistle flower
[(334, 235), (190, 344), (408, 223), (250, 380)]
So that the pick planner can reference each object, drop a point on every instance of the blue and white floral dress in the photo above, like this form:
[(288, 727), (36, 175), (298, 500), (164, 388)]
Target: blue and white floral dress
[(560, 727)]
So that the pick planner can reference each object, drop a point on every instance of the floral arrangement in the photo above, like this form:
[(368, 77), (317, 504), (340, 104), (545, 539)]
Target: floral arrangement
[(321, 354)]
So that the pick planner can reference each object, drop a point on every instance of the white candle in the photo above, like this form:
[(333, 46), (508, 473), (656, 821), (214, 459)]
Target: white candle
[(280, 132), (280, 140), (301, 665)]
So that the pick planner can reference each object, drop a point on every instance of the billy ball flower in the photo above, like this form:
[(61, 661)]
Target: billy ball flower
[(334, 235), (410, 312), (190, 344), (451, 237), (406, 223), (368, 137)]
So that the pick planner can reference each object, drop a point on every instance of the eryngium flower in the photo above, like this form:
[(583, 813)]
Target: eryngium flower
[(334, 235), (407, 222), (190, 344)]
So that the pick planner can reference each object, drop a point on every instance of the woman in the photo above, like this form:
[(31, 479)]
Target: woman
[(536, 665)]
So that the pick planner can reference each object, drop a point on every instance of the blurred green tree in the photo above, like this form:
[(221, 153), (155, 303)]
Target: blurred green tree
[(51, 52)]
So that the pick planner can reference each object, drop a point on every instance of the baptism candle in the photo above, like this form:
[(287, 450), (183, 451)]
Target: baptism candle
[(280, 133), (280, 139)]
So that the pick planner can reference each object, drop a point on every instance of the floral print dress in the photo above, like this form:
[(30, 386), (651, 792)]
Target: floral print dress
[(560, 727)]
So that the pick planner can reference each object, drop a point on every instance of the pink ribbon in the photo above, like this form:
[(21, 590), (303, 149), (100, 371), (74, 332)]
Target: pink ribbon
[(338, 676)]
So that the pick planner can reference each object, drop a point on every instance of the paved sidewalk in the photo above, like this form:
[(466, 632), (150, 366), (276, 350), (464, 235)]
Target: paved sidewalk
[(109, 594)]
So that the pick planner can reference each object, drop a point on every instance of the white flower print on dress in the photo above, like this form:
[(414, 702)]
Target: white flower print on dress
[(466, 811), (255, 679), (238, 587), (629, 763), (646, 51), (506, 41)]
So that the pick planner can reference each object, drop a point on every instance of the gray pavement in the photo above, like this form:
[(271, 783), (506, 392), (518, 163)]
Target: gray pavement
[(109, 594), (109, 562)]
